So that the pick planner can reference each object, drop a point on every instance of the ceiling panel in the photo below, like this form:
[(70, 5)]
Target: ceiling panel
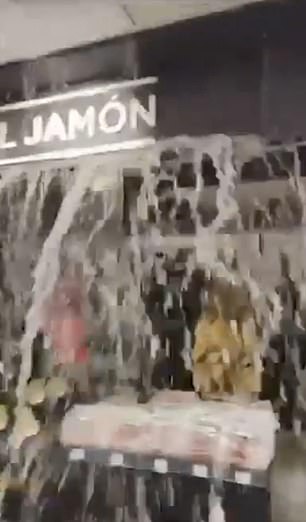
[(158, 12), (31, 28)]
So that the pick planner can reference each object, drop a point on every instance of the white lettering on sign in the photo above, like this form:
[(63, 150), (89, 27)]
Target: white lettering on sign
[(81, 123), (137, 110), (55, 128), (101, 122), (117, 108), (37, 132), (3, 137)]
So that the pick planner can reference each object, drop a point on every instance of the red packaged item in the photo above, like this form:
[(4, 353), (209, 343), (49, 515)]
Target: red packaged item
[(64, 322)]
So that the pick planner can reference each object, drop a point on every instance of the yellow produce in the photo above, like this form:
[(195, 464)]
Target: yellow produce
[(56, 388), (3, 417), (25, 426), (35, 392), (227, 345)]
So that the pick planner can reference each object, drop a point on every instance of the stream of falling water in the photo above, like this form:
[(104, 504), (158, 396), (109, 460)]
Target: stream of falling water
[(31, 286), (46, 273)]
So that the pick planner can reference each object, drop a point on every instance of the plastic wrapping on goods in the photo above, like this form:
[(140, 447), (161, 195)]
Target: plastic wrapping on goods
[(177, 425)]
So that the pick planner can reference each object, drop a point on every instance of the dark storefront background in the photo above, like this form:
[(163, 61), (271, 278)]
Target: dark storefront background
[(240, 72)]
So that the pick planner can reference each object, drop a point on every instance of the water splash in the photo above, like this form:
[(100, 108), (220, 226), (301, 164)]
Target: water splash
[(46, 274), (119, 267)]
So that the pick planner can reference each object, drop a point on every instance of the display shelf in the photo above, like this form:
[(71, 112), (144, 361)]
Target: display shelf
[(172, 466), (177, 434)]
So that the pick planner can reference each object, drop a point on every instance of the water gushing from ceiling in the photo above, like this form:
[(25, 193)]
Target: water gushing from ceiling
[(74, 216)]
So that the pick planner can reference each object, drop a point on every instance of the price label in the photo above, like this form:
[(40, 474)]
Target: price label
[(77, 454)]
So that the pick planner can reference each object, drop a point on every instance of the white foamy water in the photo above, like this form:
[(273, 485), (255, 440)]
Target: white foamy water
[(89, 234)]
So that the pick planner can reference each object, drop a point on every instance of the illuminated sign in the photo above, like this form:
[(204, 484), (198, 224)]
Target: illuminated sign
[(99, 119)]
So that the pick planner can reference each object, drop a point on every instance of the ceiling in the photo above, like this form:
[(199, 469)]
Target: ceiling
[(31, 28)]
